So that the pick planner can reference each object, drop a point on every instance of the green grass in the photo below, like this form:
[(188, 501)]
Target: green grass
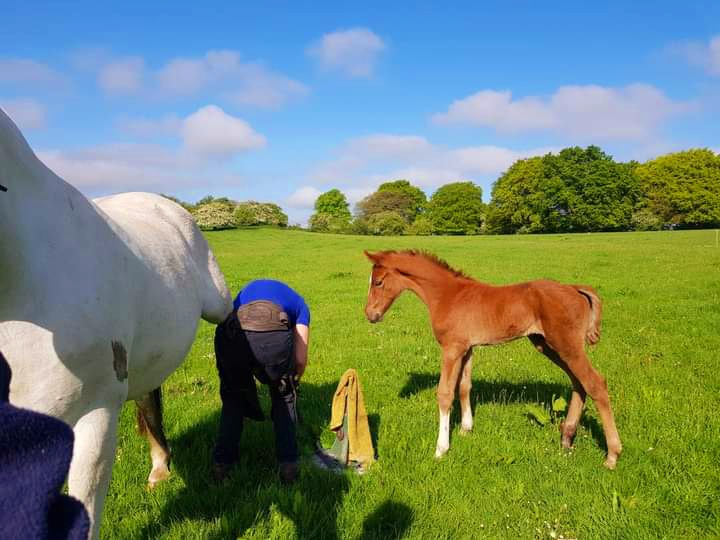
[(509, 478)]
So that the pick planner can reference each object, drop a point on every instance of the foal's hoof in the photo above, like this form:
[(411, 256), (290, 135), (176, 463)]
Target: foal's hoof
[(440, 452), (157, 476), (610, 462), (464, 431), (567, 443)]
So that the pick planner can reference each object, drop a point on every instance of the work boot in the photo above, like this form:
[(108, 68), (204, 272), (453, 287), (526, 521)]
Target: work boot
[(288, 472), (220, 472)]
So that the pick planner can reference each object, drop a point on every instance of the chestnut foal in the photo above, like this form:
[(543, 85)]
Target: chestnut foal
[(558, 319)]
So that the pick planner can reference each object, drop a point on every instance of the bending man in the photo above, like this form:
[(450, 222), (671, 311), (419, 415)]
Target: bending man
[(265, 337)]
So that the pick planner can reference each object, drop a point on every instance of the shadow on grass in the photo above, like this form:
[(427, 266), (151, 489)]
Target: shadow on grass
[(390, 520), (506, 392), (253, 494)]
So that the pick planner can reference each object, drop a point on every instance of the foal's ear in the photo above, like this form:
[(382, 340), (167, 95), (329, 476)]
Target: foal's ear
[(373, 257)]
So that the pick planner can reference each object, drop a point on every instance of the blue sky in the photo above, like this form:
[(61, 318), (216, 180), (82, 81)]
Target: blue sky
[(279, 102)]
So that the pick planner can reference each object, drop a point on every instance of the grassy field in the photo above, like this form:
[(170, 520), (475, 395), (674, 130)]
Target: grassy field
[(509, 478)]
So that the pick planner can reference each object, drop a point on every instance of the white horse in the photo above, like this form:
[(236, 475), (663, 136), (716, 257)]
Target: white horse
[(99, 303)]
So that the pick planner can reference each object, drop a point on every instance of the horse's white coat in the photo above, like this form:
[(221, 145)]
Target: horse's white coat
[(77, 276)]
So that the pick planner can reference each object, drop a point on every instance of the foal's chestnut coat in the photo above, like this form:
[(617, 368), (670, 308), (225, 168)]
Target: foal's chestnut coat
[(558, 319)]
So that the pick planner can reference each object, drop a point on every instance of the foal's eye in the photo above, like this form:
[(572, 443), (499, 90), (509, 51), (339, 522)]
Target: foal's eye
[(378, 283)]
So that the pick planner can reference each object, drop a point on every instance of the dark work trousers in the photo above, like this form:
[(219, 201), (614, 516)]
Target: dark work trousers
[(268, 356)]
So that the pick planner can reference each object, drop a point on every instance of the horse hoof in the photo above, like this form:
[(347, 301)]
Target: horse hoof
[(440, 452), (157, 476), (465, 431), (610, 463)]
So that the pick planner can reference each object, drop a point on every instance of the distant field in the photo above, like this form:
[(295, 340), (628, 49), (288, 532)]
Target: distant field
[(660, 352)]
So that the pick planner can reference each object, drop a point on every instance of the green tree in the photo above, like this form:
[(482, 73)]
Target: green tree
[(387, 223), (252, 213), (380, 202), (333, 203), (683, 188), (213, 216), (457, 208), (208, 199), (331, 213), (416, 195), (422, 226), (645, 219), (575, 190), (186, 206), (329, 224)]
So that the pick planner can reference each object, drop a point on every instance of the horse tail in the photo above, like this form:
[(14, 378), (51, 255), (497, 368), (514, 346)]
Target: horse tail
[(592, 334), (141, 424), (217, 301)]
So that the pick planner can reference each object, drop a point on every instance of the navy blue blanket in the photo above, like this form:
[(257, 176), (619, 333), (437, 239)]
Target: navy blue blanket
[(35, 453)]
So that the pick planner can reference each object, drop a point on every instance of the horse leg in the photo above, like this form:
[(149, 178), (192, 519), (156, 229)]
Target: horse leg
[(449, 372), (150, 424), (93, 456), (577, 401), (464, 393), (595, 385)]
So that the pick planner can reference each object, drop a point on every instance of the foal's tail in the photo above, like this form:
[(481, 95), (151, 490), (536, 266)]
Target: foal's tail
[(592, 335)]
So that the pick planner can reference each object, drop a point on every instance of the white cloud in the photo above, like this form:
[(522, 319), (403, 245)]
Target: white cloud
[(168, 125), (220, 74), (183, 76), (120, 167), (89, 59), (356, 154), (591, 112), (388, 146), (224, 74), (260, 87), (209, 138), (362, 164), (24, 71), (352, 52), (704, 55), (489, 160), (122, 76), (27, 113), (303, 198), (212, 132), (207, 133)]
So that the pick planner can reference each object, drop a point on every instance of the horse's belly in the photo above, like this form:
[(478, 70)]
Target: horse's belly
[(157, 354), (52, 377)]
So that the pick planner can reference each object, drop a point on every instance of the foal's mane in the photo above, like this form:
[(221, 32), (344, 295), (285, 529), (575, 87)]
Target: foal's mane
[(425, 255)]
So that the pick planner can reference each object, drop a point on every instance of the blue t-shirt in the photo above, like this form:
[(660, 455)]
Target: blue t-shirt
[(278, 293)]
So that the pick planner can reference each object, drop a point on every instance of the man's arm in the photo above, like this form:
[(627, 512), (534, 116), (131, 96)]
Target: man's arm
[(302, 336)]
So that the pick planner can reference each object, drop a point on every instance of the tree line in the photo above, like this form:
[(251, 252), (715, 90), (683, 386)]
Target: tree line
[(575, 190), (211, 213)]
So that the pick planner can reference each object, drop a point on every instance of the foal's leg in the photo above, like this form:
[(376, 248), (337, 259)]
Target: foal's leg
[(577, 401), (149, 417), (449, 372), (464, 392), (596, 386)]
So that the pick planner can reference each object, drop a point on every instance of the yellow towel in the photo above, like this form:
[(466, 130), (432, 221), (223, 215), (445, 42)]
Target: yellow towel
[(349, 393)]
